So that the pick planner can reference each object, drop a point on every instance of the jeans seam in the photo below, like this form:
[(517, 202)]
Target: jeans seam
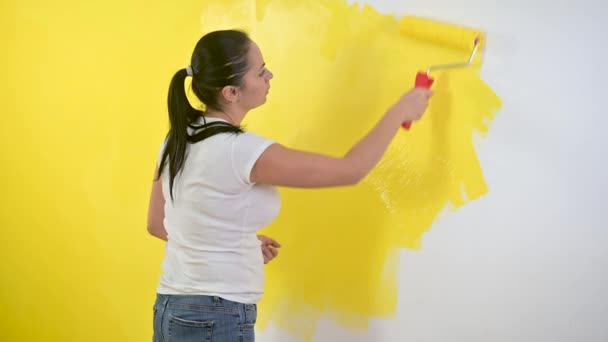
[(162, 319)]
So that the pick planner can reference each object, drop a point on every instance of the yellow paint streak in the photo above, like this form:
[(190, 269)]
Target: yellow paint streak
[(337, 68), (85, 87)]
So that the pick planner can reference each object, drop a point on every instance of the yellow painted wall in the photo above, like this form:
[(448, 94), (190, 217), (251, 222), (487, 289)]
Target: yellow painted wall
[(84, 92)]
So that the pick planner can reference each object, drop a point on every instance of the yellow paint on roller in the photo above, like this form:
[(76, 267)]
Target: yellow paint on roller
[(86, 114), (440, 33)]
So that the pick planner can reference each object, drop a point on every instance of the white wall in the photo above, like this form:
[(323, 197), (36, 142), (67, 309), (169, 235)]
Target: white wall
[(528, 261)]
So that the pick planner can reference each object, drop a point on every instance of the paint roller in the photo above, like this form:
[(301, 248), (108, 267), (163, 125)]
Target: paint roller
[(443, 34)]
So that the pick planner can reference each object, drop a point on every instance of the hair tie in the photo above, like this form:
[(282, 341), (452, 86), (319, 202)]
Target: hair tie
[(189, 71)]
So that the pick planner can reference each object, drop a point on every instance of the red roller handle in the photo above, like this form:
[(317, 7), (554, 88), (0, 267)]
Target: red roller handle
[(423, 81)]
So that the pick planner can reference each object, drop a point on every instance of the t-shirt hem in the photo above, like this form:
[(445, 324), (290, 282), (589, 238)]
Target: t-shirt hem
[(243, 299)]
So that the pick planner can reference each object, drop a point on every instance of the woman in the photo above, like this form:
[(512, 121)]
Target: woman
[(215, 185)]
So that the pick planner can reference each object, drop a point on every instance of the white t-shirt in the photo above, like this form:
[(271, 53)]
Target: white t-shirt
[(212, 222)]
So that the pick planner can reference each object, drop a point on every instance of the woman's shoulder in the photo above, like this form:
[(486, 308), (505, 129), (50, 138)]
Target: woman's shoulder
[(249, 139)]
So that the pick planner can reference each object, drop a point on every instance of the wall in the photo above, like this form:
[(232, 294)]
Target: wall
[(526, 262)]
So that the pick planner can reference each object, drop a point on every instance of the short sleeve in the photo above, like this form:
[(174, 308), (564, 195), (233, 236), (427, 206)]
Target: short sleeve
[(246, 149)]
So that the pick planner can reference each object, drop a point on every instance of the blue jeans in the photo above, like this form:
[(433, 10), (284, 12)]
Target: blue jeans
[(203, 319)]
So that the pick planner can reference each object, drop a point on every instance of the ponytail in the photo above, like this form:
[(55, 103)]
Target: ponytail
[(181, 116)]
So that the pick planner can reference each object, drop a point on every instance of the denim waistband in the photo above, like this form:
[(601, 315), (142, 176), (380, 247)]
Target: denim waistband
[(207, 304)]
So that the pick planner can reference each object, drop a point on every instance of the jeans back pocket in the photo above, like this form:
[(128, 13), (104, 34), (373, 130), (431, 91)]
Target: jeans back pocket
[(184, 330)]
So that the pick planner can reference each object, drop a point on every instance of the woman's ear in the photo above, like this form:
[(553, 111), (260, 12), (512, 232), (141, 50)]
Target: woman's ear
[(230, 93)]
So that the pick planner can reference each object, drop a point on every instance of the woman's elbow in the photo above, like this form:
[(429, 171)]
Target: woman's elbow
[(151, 229), (156, 231)]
